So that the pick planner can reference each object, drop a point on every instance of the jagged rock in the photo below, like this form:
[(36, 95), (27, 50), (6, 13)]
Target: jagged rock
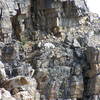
[(69, 39), (48, 45), (42, 77), (5, 95), (29, 93), (95, 69), (3, 75), (93, 60), (24, 95), (93, 55), (22, 88), (76, 43), (8, 53), (79, 52), (93, 87), (59, 39), (76, 87), (28, 47)]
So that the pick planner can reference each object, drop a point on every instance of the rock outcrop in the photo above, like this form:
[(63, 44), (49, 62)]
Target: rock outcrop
[(49, 50)]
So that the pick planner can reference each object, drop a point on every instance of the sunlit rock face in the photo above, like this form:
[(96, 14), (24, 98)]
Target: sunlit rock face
[(43, 62), (94, 6)]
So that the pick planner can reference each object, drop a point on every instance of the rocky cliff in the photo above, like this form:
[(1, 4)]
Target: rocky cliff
[(49, 50)]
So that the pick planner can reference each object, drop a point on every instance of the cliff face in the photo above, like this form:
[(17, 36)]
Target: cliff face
[(49, 50)]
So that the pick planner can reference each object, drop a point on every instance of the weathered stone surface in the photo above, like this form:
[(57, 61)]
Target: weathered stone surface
[(95, 70), (22, 88), (5, 95), (23, 95), (50, 50), (18, 82), (93, 87), (93, 55), (3, 75)]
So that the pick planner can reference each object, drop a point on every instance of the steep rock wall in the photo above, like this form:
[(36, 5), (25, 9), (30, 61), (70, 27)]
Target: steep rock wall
[(49, 50)]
